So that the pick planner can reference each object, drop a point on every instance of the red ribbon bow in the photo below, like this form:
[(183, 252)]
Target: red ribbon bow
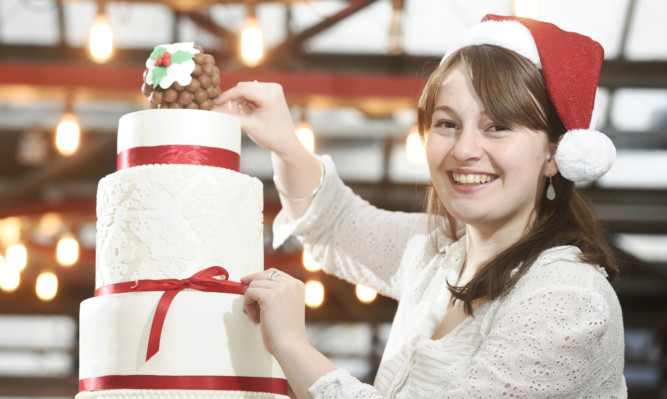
[(206, 280)]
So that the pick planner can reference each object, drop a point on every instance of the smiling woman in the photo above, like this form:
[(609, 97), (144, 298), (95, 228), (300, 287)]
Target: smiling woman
[(506, 239), (491, 131)]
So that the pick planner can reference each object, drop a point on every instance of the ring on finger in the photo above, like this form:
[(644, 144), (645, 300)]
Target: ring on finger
[(273, 275)]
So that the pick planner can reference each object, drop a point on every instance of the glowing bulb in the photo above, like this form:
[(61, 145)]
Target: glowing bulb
[(16, 257), (365, 294), (101, 40), (314, 294), (10, 231), (9, 277), (526, 8), (67, 135), (306, 136), (252, 43), (50, 224), (67, 250), (414, 148), (46, 286), (309, 263)]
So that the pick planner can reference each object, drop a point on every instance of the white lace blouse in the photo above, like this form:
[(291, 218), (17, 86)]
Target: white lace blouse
[(557, 334)]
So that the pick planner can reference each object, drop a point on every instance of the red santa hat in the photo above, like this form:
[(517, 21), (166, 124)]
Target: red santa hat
[(570, 64)]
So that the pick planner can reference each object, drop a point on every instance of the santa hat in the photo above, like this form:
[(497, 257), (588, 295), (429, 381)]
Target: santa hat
[(570, 64)]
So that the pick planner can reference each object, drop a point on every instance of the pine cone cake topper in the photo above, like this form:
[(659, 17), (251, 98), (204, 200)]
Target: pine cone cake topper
[(181, 75)]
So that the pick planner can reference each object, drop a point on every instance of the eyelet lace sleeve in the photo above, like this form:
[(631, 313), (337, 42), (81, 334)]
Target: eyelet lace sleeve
[(351, 238)]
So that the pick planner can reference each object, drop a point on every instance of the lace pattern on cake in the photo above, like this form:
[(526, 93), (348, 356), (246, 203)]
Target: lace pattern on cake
[(170, 221)]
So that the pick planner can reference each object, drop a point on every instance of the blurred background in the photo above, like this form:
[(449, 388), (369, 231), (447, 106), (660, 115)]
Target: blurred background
[(352, 71)]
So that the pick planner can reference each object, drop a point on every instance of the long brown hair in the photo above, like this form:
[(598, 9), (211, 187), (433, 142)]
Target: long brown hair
[(512, 90)]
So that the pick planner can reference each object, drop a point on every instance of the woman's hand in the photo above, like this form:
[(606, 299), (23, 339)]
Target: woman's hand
[(265, 118), (264, 115), (276, 301)]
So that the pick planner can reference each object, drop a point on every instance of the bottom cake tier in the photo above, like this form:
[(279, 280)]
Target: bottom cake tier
[(207, 349)]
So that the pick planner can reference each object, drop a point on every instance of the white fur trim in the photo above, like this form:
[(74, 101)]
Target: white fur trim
[(511, 35), (584, 155), (597, 110)]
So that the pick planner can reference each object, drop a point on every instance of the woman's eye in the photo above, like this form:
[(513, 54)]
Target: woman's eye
[(498, 128), (445, 124)]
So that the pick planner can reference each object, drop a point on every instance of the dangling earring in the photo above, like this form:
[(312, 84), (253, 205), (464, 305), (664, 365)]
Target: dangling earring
[(551, 192)]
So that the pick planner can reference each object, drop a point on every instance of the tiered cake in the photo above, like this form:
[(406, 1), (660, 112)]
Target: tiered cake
[(177, 227)]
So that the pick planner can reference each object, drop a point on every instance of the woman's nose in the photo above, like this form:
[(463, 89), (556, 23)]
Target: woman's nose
[(467, 145)]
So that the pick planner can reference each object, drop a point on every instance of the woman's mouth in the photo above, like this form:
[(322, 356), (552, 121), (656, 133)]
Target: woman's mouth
[(471, 179)]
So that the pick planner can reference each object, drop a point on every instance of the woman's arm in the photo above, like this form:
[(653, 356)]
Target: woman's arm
[(265, 118), (277, 305)]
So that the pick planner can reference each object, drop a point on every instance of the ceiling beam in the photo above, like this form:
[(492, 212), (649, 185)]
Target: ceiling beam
[(129, 78), (52, 60)]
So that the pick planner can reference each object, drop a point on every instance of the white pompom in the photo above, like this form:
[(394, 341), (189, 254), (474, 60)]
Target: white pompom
[(584, 155)]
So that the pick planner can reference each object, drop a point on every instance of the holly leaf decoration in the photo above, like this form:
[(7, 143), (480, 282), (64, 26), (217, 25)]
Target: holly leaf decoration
[(157, 52), (181, 56), (157, 74)]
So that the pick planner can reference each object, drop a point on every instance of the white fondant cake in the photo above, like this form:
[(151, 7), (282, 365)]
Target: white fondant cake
[(170, 221)]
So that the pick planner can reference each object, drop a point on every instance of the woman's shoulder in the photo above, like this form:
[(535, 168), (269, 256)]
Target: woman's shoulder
[(562, 269)]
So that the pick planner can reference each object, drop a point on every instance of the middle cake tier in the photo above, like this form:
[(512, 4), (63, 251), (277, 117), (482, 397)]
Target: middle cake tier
[(171, 221)]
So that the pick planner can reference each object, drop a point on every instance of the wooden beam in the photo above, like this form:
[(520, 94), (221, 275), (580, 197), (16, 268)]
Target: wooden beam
[(129, 78)]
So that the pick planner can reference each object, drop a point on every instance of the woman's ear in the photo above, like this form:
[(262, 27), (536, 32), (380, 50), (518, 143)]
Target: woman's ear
[(551, 168)]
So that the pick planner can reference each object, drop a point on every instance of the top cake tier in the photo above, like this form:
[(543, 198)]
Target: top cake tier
[(179, 136)]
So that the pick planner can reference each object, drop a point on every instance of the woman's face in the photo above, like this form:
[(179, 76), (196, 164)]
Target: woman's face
[(486, 174)]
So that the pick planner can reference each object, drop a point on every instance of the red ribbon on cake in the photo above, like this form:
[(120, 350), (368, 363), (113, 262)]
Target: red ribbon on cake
[(206, 280), (214, 383), (179, 154)]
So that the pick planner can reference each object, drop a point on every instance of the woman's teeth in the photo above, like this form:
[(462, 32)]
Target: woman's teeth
[(472, 178)]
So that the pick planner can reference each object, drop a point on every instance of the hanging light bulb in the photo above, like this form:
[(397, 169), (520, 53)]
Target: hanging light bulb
[(16, 257), (46, 286), (314, 293), (50, 224), (309, 263), (10, 277), (10, 231), (67, 250), (252, 40), (68, 133), (396, 36), (414, 148), (100, 43), (365, 294), (526, 8), (304, 132)]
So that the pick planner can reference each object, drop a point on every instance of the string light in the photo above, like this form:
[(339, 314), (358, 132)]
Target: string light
[(252, 40), (68, 133), (365, 294), (414, 148), (10, 277), (309, 263), (16, 257), (314, 294), (100, 43), (67, 250), (305, 133), (46, 286), (10, 231), (50, 224)]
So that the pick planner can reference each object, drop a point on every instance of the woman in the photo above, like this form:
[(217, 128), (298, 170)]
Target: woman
[(502, 287)]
